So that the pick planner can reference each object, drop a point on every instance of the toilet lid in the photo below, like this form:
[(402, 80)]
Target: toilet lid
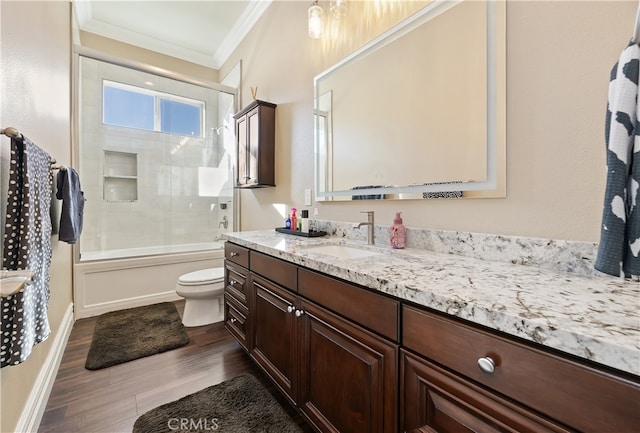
[(203, 276)]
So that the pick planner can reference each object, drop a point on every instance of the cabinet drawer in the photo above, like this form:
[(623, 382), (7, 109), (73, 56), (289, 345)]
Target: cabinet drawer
[(236, 282), (236, 254), (578, 395), (434, 399), (373, 311), (235, 320), (276, 270)]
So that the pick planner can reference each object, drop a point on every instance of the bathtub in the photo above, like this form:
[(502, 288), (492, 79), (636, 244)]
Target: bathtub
[(103, 283)]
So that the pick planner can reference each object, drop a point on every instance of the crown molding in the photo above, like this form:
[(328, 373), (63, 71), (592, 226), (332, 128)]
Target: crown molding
[(238, 32)]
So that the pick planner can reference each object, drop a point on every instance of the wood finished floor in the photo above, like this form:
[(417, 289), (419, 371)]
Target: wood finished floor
[(111, 399)]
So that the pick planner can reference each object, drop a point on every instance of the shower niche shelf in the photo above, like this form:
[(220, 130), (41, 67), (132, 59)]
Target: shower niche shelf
[(120, 176)]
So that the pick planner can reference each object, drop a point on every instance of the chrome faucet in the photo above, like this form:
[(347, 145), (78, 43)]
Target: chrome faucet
[(370, 227)]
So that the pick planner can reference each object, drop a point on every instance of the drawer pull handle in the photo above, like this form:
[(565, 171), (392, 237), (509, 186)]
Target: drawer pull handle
[(299, 313), (290, 309), (233, 320), (487, 365), (234, 254), (233, 282)]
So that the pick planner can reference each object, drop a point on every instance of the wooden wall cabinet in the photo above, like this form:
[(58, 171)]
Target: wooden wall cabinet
[(255, 145)]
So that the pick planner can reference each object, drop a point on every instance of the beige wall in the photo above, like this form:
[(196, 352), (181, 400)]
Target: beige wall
[(126, 51), (35, 98), (559, 56)]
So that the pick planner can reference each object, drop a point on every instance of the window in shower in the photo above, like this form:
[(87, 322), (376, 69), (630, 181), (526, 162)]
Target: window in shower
[(155, 157), (137, 107)]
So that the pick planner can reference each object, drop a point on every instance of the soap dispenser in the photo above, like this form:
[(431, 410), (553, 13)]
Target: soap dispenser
[(398, 233)]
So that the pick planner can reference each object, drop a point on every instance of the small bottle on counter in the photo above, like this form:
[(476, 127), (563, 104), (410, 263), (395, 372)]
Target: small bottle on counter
[(287, 222), (294, 219), (398, 236), (304, 221)]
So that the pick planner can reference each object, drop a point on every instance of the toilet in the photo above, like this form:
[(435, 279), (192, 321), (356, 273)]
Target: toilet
[(203, 292)]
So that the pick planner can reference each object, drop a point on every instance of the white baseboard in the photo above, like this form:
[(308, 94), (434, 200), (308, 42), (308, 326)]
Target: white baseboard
[(31, 416), (137, 301)]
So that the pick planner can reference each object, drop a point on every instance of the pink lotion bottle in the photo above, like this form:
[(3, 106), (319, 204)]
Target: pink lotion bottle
[(398, 233)]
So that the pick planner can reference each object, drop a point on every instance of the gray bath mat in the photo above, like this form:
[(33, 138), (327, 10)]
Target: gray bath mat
[(238, 405), (125, 335)]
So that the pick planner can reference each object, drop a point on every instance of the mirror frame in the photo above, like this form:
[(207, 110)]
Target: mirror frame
[(495, 184)]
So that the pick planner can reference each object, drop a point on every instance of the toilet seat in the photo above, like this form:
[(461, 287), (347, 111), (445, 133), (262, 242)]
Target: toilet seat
[(203, 292), (201, 277)]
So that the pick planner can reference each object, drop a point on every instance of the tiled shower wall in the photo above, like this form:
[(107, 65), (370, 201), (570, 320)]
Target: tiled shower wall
[(161, 200)]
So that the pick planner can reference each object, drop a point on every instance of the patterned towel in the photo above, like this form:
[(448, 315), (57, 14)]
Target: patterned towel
[(619, 249)]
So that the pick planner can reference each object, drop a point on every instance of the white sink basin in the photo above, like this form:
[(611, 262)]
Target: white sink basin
[(342, 251)]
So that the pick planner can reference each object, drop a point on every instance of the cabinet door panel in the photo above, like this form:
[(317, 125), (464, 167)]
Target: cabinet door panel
[(254, 146), (348, 375), (241, 133), (274, 347), (435, 400)]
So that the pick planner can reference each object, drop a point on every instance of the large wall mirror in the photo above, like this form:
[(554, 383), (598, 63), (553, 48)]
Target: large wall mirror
[(419, 112)]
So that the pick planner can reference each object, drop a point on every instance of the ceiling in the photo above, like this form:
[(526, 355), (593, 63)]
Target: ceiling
[(204, 32)]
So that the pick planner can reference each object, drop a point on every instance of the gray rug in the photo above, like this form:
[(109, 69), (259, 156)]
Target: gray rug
[(125, 335), (238, 405)]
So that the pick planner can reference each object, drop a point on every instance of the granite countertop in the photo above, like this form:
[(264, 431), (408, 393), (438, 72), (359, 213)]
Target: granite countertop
[(593, 317)]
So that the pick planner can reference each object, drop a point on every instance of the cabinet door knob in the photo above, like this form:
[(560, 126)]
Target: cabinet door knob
[(487, 365), (234, 254), (290, 309), (233, 282), (299, 313)]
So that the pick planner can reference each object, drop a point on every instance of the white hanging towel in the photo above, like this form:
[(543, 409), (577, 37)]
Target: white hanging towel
[(619, 248)]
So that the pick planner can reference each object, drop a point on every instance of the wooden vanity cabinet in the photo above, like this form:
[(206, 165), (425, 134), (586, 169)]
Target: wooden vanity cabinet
[(255, 145), (529, 389), (353, 360), (341, 376)]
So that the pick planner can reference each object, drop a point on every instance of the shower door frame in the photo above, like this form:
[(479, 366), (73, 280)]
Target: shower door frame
[(80, 51)]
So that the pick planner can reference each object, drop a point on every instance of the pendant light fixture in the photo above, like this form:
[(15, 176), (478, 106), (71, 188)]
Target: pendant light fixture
[(315, 20)]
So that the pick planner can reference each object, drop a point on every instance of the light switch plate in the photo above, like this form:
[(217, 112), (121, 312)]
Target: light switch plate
[(307, 197)]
